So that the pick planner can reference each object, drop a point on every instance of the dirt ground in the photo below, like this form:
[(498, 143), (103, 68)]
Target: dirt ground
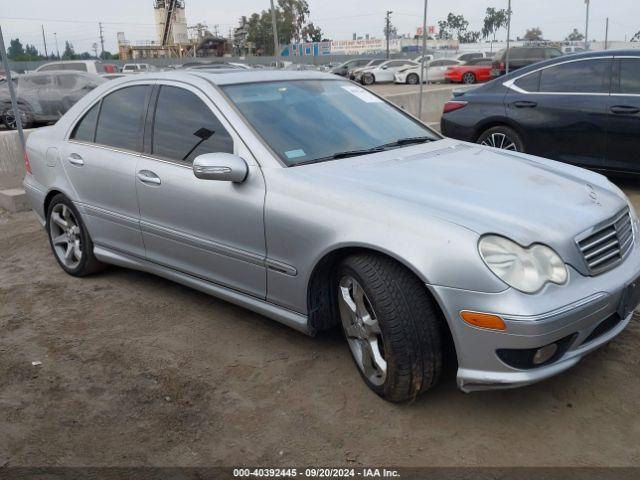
[(137, 370)]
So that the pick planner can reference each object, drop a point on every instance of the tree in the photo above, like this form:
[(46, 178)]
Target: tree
[(493, 22), (15, 51), (455, 26), (31, 52), (69, 53), (533, 34), (636, 37), (393, 31), (293, 17), (575, 36), (311, 33)]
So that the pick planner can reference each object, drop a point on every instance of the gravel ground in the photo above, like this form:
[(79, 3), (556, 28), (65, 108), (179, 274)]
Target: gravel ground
[(137, 370)]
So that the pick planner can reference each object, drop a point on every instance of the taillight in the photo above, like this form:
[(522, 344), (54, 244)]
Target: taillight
[(27, 164), (454, 105)]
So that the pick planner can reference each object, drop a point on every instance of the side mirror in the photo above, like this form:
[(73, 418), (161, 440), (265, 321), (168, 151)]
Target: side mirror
[(224, 167), (385, 67)]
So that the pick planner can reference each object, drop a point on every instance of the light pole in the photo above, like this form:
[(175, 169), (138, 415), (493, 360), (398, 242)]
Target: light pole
[(389, 12), (55, 35), (12, 93), (274, 27), (508, 37), (424, 52), (586, 28)]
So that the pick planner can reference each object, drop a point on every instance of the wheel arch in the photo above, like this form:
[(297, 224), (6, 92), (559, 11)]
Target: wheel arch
[(492, 122)]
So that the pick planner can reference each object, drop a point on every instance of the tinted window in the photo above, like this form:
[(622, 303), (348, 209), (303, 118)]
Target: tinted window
[(630, 75), (530, 83), (78, 67), (577, 77), (197, 132), (85, 129), (52, 66), (553, 53), (121, 117)]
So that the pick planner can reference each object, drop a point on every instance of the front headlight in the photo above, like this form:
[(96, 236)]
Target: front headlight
[(525, 269)]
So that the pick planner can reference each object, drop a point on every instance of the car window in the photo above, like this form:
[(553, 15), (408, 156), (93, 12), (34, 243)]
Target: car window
[(397, 63), (630, 76), (85, 129), (121, 117), (37, 81), (588, 76), (197, 132), (49, 67), (554, 53), (309, 120), (449, 62), (68, 82), (530, 83), (518, 54), (438, 63), (78, 67), (535, 54)]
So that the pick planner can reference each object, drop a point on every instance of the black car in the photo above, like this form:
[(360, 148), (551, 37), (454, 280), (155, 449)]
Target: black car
[(344, 68), (520, 57), (582, 109)]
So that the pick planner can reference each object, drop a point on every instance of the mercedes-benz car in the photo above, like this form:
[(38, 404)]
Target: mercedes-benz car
[(312, 201)]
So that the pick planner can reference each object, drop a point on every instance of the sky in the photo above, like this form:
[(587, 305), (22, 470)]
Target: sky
[(77, 20)]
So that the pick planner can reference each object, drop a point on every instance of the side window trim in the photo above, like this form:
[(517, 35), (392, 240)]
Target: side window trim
[(510, 84)]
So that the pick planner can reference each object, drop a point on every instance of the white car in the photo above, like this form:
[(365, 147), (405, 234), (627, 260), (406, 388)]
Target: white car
[(89, 66), (137, 68), (436, 70), (385, 72)]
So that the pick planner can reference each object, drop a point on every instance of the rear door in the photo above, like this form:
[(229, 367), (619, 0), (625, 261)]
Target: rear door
[(213, 230), (561, 111), (100, 160), (623, 129)]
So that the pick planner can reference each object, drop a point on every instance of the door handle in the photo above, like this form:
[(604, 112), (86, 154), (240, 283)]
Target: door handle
[(624, 110), (147, 176), (75, 159), (525, 104)]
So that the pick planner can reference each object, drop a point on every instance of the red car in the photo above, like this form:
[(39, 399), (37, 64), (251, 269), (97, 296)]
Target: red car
[(473, 71)]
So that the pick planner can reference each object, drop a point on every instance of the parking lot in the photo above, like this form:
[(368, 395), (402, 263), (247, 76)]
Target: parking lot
[(137, 370)]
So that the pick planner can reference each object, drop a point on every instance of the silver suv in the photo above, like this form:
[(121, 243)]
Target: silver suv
[(310, 200)]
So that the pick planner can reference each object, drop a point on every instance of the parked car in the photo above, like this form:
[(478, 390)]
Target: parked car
[(583, 109), (43, 97), (466, 57), (90, 66), (436, 70), (3, 75), (352, 73), (569, 49), (385, 72), (412, 243), (343, 69), (520, 57), (472, 71), (427, 58), (137, 68)]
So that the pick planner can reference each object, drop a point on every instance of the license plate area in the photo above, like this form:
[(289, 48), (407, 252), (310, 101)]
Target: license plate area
[(630, 299)]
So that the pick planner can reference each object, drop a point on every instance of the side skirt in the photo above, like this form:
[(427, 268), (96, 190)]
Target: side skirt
[(287, 317)]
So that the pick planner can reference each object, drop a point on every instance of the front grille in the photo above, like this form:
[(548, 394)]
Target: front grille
[(608, 245)]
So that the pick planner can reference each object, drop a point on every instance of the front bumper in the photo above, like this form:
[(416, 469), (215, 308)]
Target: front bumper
[(575, 312)]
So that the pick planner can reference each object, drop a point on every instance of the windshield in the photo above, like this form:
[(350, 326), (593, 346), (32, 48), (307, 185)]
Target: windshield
[(315, 120)]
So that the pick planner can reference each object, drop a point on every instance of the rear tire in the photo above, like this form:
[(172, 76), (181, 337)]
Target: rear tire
[(412, 79), (392, 326), (502, 137), (69, 238)]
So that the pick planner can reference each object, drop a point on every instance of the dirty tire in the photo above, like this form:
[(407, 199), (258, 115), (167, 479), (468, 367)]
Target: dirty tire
[(502, 137), (410, 325), (88, 263)]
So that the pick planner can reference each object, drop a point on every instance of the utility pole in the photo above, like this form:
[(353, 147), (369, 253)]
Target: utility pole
[(387, 32), (424, 52), (101, 41), (55, 35), (508, 37), (274, 27), (94, 47), (586, 28), (44, 40), (12, 93), (606, 36)]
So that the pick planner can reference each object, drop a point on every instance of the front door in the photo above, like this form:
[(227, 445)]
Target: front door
[(623, 130), (101, 164), (209, 229), (562, 111)]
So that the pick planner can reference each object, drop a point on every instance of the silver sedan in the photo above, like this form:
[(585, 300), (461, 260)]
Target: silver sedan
[(312, 201)]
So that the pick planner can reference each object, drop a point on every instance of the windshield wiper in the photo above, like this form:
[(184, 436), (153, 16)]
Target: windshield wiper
[(345, 154), (407, 141)]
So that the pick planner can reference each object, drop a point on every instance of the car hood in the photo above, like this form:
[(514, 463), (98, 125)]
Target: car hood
[(525, 198)]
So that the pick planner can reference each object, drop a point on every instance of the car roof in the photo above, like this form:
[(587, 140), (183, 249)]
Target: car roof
[(238, 76)]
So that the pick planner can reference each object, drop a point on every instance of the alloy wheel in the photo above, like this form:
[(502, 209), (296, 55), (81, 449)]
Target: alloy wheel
[(66, 236), (468, 78), (500, 140), (362, 330)]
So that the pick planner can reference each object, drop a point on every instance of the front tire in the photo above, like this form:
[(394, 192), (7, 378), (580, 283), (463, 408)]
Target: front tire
[(412, 79), (392, 326), (69, 239), (502, 137), (368, 79), (468, 78)]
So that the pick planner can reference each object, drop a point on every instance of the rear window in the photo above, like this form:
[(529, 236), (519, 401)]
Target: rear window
[(587, 76), (630, 76), (85, 129), (121, 118), (529, 83)]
